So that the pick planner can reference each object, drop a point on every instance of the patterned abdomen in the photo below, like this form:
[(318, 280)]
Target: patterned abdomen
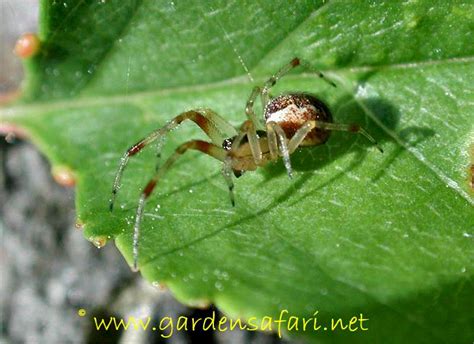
[(291, 111)]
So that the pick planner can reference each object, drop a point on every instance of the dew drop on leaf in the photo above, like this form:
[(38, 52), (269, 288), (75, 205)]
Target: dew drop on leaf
[(98, 241), (27, 45), (79, 225), (63, 175)]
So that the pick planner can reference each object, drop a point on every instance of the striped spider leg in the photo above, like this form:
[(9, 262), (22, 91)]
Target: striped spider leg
[(289, 121), (212, 124)]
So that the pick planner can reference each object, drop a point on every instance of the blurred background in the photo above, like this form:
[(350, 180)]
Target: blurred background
[(48, 271)]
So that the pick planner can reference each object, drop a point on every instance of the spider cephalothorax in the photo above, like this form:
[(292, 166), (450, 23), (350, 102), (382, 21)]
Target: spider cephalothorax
[(288, 122)]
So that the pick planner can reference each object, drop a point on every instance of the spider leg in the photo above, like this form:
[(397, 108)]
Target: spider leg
[(301, 133), (202, 146), (248, 129), (211, 123), (353, 128), (299, 136), (249, 108), (307, 66), (277, 76), (277, 135), (224, 127), (285, 70), (227, 173), (272, 142)]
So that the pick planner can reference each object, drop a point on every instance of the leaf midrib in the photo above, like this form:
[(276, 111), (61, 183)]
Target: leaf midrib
[(27, 109)]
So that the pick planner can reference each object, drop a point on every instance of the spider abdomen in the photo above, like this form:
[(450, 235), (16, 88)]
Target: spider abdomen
[(291, 111)]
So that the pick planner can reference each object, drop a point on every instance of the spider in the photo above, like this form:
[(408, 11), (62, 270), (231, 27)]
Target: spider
[(289, 121)]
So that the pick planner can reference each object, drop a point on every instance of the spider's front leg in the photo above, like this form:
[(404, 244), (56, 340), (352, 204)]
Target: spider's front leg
[(249, 108), (278, 145), (202, 146), (249, 131), (285, 70), (274, 78), (212, 124)]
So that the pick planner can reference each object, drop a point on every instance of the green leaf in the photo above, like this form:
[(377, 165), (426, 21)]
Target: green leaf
[(388, 236)]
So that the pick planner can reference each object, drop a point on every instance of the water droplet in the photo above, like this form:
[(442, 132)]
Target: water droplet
[(158, 285), (27, 45), (98, 241), (63, 175), (219, 286), (79, 225)]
